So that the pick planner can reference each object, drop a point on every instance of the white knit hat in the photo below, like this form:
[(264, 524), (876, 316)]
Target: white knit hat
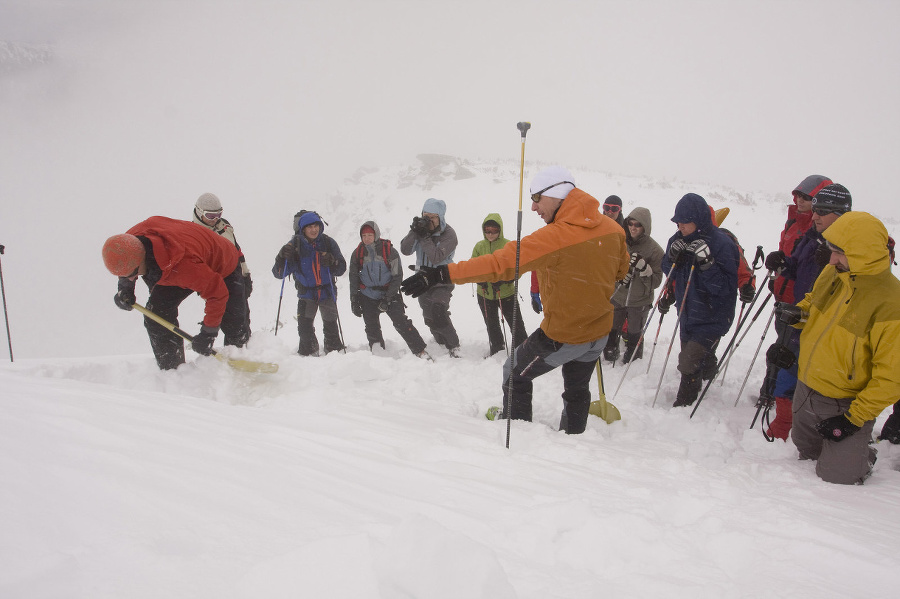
[(547, 181), (208, 202)]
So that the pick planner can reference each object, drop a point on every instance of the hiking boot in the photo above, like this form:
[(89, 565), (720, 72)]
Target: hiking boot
[(630, 342), (454, 352), (611, 351), (780, 428), (425, 356), (889, 436), (688, 390)]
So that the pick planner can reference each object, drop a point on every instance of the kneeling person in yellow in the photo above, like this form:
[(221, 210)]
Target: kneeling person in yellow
[(578, 256), (849, 362)]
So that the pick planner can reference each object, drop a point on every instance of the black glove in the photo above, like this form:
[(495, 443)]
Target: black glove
[(420, 226), (425, 279), (327, 259), (286, 251), (665, 302), (355, 306), (384, 304), (775, 261), (836, 428), (203, 341), (789, 314), (248, 285), (675, 250), (780, 356), (701, 254), (125, 299), (747, 293), (536, 302)]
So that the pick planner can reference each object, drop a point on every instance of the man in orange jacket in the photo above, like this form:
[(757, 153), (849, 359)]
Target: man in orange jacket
[(578, 257), (176, 258)]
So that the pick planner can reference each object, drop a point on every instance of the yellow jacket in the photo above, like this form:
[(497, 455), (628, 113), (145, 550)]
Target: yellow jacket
[(850, 344), (578, 258)]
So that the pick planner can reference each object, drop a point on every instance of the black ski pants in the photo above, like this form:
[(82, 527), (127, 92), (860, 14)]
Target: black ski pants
[(397, 313), (164, 300), (491, 310), (306, 328), (539, 355)]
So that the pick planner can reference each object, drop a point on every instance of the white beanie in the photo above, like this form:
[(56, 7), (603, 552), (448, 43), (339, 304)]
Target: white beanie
[(208, 202), (550, 176)]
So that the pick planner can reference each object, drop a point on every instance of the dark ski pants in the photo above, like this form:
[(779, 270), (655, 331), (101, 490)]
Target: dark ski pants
[(539, 355), (397, 313), (847, 462), (490, 311), (435, 304), (306, 328), (164, 301)]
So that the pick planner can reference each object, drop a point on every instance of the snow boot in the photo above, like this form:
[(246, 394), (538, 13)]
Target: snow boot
[(780, 428), (688, 390), (631, 341), (611, 351)]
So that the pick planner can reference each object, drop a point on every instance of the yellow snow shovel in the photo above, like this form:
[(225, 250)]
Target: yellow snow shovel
[(600, 407)]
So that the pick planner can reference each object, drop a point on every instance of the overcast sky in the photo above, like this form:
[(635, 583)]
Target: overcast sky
[(147, 104)]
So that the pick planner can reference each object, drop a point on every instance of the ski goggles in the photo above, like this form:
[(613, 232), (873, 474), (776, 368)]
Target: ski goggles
[(611, 207), (492, 230), (213, 215), (536, 197)]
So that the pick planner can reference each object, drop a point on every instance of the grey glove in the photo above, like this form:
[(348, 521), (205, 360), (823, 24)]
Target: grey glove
[(701, 254), (676, 249)]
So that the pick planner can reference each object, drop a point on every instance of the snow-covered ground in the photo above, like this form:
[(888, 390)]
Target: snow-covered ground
[(360, 475)]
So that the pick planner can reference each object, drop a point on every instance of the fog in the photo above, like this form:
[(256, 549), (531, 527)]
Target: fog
[(142, 106)]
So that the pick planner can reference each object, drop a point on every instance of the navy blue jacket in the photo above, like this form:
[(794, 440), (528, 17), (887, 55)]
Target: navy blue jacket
[(711, 298)]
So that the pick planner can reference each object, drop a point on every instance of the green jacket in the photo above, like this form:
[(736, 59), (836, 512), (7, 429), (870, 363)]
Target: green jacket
[(498, 289)]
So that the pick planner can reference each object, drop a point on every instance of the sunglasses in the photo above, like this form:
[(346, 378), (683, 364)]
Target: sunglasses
[(611, 208), (634, 223), (536, 197), (492, 230), (825, 211)]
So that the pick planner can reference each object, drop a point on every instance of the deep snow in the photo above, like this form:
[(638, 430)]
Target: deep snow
[(360, 475)]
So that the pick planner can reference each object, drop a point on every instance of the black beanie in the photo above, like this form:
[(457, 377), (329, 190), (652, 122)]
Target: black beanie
[(613, 200), (834, 197)]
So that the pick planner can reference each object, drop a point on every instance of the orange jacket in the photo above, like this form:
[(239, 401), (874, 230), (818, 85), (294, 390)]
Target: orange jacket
[(578, 259)]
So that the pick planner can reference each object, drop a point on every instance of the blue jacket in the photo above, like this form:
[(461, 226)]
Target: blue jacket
[(313, 280), (711, 298)]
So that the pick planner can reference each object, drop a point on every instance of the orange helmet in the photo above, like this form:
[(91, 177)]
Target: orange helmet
[(123, 254)]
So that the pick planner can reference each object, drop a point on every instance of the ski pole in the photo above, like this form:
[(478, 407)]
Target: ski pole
[(687, 288), (280, 296), (523, 127), (337, 313), (782, 359), (755, 354), (726, 356), (644, 332), (750, 326), (5, 313), (661, 315)]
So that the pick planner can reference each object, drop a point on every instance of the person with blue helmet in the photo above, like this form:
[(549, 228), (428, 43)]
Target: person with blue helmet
[(315, 261)]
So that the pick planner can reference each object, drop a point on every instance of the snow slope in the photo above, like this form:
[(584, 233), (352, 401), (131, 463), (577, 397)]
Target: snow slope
[(360, 475)]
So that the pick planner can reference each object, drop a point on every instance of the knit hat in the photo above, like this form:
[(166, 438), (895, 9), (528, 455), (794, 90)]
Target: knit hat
[(811, 185), (123, 254), (615, 200), (553, 182), (208, 202), (834, 197), (366, 229)]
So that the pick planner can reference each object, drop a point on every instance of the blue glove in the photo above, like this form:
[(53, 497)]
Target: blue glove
[(836, 428), (426, 278), (536, 302)]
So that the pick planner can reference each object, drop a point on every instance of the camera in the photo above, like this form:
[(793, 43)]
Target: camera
[(421, 226)]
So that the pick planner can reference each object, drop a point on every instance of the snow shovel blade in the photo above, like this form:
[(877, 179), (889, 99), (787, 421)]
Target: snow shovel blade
[(605, 410), (242, 365)]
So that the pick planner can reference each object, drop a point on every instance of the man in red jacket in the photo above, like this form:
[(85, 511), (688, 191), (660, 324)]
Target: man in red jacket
[(176, 258)]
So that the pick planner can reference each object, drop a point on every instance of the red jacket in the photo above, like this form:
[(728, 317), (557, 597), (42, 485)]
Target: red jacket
[(193, 257), (794, 229)]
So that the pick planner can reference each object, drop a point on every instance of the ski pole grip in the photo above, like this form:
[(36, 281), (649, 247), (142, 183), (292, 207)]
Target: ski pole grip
[(523, 126)]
